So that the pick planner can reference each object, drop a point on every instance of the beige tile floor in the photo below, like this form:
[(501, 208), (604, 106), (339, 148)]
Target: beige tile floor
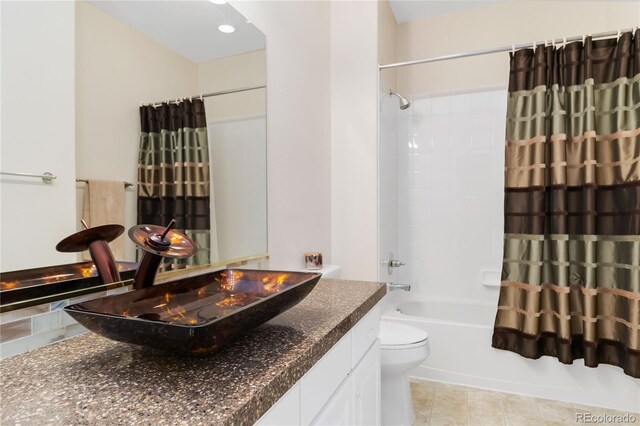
[(444, 404)]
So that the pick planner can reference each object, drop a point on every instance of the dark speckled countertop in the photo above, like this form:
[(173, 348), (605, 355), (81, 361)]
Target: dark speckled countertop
[(90, 380)]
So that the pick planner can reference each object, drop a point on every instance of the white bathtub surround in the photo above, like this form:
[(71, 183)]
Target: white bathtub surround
[(460, 339), (450, 193), (403, 348)]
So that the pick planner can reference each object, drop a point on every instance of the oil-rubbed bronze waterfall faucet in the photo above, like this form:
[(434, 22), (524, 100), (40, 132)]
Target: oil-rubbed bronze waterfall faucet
[(158, 242), (95, 240)]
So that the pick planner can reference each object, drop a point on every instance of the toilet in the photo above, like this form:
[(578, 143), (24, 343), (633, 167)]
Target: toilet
[(402, 348)]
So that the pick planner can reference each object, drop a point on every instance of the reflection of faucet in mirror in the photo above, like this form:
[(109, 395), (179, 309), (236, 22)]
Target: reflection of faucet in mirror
[(95, 240), (158, 242)]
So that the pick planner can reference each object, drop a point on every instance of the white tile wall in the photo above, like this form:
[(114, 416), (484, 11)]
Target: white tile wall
[(450, 192)]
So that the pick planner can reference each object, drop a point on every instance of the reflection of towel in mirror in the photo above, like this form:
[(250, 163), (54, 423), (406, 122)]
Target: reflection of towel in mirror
[(104, 205)]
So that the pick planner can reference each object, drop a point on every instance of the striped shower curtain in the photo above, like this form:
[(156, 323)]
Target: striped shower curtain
[(173, 172), (571, 269)]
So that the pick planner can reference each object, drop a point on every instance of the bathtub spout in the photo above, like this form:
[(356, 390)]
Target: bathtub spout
[(392, 286)]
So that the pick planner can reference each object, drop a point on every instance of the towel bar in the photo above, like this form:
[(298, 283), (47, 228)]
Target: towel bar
[(126, 184), (46, 176)]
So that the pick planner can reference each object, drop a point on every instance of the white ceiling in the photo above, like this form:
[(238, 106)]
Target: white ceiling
[(415, 10), (189, 28)]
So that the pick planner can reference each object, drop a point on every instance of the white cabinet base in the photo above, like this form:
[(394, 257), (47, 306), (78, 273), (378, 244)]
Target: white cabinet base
[(339, 410), (367, 388), (343, 388)]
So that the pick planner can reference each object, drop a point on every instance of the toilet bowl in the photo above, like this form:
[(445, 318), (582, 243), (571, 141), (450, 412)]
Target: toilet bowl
[(402, 348)]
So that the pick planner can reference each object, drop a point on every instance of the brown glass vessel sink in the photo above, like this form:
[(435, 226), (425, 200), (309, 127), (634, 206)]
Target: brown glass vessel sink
[(195, 315), (49, 281)]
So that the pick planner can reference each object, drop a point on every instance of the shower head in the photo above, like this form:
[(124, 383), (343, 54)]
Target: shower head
[(404, 102)]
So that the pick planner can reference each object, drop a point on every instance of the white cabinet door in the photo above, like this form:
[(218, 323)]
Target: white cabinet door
[(323, 380), (339, 409), (364, 333), (366, 380), (284, 412)]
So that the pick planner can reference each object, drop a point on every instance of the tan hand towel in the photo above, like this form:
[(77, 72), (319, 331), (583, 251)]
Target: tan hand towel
[(104, 205)]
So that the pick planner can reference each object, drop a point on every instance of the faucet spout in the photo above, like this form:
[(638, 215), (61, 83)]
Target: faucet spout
[(96, 240), (158, 242), (392, 286)]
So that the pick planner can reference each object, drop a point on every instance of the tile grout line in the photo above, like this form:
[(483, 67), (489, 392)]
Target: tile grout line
[(539, 412), (433, 402), (468, 410), (431, 406), (466, 394), (504, 412)]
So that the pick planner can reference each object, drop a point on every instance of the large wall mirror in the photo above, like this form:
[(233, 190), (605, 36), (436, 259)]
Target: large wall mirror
[(76, 77)]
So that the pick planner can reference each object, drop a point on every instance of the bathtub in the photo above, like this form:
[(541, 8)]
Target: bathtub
[(460, 339)]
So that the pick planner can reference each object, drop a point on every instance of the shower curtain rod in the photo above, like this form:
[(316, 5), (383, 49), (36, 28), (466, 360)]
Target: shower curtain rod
[(207, 95), (565, 40)]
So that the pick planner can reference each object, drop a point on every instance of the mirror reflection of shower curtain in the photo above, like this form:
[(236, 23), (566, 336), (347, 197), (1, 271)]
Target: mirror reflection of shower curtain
[(173, 173), (571, 270)]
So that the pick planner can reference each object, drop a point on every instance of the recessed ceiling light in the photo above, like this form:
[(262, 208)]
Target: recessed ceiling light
[(218, 1), (227, 29)]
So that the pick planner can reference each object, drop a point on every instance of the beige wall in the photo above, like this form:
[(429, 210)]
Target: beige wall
[(500, 24), (354, 153), (118, 68), (36, 132), (245, 70), (387, 40), (298, 126)]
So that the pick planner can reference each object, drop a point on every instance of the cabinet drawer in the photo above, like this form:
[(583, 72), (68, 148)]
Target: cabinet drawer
[(324, 378), (365, 332)]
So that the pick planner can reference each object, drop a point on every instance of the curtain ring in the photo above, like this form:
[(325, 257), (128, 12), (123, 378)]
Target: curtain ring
[(564, 41), (619, 33), (201, 98), (513, 49), (534, 45)]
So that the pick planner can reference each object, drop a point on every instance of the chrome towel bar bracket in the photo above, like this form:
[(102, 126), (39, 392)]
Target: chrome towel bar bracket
[(46, 176)]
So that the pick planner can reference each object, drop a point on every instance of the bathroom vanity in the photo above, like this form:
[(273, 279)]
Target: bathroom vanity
[(317, 363)]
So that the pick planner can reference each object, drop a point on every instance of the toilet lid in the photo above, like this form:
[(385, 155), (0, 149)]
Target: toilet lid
[(394, 334)]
